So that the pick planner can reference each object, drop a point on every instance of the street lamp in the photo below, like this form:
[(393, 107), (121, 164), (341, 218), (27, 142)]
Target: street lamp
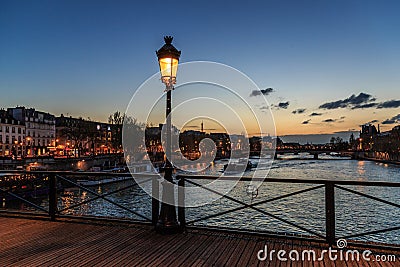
[(28, 144), (98, 137), (168, 59)]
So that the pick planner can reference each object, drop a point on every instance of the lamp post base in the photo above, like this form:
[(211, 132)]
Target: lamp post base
[(167, 222), (168, 228)]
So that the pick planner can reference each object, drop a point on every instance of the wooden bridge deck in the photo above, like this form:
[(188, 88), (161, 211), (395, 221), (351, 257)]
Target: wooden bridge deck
[(28, 242)]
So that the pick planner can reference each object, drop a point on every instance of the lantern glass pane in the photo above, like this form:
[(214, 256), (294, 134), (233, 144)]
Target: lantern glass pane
[(168, 67)]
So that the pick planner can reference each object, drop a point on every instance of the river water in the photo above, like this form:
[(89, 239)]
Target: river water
[(354, 214)]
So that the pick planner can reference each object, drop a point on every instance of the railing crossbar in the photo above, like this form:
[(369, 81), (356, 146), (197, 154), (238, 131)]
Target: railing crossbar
[(373, 232), (260, 211), (105, 194), (288, 195), (24, 200), (255, 204), (368, 196), (97, 197), (290, 180), (106, 199)]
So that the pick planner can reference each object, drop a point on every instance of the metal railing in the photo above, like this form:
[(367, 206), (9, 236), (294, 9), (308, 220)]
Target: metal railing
[(52, 178), (329, 186)]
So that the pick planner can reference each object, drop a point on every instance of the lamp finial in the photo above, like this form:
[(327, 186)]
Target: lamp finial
[(168, 39)]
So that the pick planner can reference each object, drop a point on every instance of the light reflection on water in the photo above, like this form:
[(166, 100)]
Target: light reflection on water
[(354, 214)]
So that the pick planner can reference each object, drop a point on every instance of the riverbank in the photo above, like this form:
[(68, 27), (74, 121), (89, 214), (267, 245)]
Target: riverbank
[(380, 160)]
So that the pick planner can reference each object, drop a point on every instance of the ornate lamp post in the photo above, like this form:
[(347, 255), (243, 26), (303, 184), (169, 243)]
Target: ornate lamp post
[(168, 59)]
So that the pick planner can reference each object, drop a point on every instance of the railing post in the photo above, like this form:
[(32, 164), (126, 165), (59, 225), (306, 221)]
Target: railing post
[(181, 203), (155, 204), (330, 212), (52, 197)]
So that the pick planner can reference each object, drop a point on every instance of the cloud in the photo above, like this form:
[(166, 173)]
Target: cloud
[(354, 131), (306, 122), (393, 120), (389, 104), (299, 111), (361, 101), (315, 114), (369, 105), (350, 102), (341, 119), (389, 121), (265, 91), (329, 120), (283, 105)]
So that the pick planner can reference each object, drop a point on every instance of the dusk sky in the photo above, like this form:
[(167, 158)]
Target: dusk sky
[(337, 60)]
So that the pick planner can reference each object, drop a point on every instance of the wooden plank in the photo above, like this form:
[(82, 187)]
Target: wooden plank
[(307, 246), (208, 252), (37, 242), (374, 261), (236, 248), (167, 257), (19, 235), (45, 250), (90, 248), (287, 247), (192, 258), (188, 252), (9, 229), (237, 252), (252, 257), (220, 257), (148, 252), (121, 247), (137, 251), (327, 261), (248, 253), (26, 242), (108, 247), (60, 249), (296, 246), (111, 250), (320, 261)]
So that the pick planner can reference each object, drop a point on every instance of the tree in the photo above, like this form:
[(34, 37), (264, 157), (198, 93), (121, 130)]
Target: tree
[(333, 140), (337, 143), (117, 120), (79, 132), (352, 141), (134, 134)]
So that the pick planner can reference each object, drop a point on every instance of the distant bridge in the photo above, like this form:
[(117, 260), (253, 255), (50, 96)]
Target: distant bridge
[(314, 152)]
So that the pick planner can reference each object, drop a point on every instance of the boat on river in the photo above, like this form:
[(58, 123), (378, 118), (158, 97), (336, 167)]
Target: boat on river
[(238, 166)]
